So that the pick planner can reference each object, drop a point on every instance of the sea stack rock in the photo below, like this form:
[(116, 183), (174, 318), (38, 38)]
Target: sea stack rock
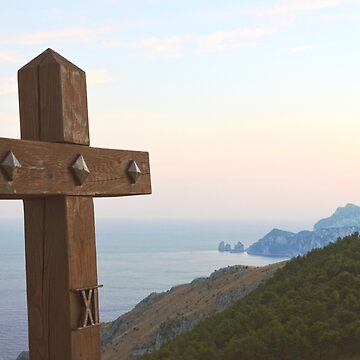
[(238, 248), (23, 356), (221, 247), (224, 247)]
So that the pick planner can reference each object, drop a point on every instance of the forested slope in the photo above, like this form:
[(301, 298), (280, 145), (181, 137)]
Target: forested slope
[(161, 317), (310, 309)]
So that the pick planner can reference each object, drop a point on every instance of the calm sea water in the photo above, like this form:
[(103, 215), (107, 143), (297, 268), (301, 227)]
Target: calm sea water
[(135, 258)]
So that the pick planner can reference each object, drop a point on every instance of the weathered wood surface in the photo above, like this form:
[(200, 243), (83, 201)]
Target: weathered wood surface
[(85, 344), (46, 170), (59, 231), (47, 279), (53, 99), (61, 255)]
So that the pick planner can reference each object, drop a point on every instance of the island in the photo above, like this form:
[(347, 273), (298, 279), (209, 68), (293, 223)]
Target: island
[(238, 247)]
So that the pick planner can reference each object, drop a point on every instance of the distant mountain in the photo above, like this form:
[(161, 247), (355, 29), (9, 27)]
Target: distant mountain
[(346, 216), (345, 221), (287, 244)]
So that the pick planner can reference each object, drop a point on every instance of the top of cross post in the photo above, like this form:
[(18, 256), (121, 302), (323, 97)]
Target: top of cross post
[(49, 55), (53, 100)]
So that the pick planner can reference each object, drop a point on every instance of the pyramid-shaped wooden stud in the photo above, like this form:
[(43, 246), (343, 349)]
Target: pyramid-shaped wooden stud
[(133, 171), (80, 170), (10, 166)]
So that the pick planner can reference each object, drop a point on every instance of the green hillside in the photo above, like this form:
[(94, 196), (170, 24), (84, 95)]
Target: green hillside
[(310, 309)]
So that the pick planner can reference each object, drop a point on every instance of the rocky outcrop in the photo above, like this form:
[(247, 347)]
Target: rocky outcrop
[(161, 317), (23, 356), (347, 216), (345, 221), (238, 247), (224, 247), (285, 244)]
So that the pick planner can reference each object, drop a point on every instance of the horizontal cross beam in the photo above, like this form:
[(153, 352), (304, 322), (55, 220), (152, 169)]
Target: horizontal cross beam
[(38, 169)]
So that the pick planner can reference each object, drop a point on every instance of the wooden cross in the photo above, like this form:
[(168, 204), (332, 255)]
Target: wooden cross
[(56, 173)]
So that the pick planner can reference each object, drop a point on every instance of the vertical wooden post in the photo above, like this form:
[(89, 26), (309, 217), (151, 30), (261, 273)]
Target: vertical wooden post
[(59, 231)]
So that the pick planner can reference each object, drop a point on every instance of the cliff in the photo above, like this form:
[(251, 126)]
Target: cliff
[(347, 216), (287, 244), (345, 221), (161, 317)]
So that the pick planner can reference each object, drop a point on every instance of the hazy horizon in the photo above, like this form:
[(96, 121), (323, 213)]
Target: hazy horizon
[(289, 224)]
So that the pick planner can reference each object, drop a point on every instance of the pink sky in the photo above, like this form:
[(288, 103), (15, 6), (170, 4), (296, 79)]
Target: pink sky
[(249, 111)]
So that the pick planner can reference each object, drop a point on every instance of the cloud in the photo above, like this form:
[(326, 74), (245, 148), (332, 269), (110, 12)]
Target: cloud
[(341, 17), (8, 86), (8, 57), (75, 34), (276, 17), (237, 38), (213, 42), (166, 45), (7, 117), (99, 76), (273, 19), (298, 49), (175, 45), (291, 8)]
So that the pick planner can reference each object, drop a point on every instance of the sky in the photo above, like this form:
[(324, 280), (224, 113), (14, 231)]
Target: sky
[(249, 109)]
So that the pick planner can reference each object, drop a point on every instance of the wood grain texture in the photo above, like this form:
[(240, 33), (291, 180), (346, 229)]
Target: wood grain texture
[(62, 257), (29, 98), (46, 170), (82, 272), (57, 229), (47, 279), (63, 101), (53, 99), (79, 213)]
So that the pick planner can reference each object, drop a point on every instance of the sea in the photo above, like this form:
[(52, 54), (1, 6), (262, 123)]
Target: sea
[(135, 258)]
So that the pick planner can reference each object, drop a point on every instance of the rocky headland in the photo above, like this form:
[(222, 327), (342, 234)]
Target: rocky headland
[(280, 243), (162, 316)]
